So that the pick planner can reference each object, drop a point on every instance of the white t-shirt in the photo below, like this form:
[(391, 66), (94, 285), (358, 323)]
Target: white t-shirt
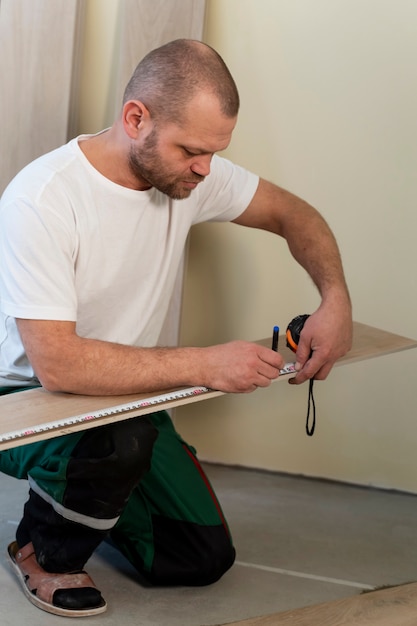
[(75, 246)]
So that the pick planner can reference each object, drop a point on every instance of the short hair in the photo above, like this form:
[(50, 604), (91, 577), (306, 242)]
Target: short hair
[(168, 77)]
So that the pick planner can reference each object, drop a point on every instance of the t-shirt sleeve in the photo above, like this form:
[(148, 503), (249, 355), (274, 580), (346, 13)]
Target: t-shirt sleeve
[(226, 192), (36, 263)]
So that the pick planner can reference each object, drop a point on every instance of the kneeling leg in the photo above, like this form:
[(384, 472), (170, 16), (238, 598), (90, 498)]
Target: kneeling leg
[(173, 529)]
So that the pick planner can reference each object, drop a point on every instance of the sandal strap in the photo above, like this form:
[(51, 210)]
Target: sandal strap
[(44, 583)]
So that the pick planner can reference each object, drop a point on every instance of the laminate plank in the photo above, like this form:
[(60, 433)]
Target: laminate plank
[(395, 606), (37, 414)]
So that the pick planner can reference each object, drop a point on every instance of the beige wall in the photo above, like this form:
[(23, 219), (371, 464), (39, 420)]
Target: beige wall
[(328, 110)]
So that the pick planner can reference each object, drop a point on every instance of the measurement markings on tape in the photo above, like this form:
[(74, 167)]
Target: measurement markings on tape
[(106, 412), (188, 392)]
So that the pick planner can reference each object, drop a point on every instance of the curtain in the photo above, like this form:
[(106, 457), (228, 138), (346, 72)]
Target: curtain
[(39, 77)]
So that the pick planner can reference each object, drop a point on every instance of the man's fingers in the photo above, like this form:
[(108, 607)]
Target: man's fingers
[(312, 369)]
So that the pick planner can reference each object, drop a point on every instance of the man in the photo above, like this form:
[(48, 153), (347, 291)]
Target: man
[(92, 236)]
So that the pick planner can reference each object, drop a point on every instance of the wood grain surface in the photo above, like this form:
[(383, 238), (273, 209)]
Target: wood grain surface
[(28, 410), (395, 606)]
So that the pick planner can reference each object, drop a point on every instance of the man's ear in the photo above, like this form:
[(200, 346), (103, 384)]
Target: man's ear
[(135, 117)]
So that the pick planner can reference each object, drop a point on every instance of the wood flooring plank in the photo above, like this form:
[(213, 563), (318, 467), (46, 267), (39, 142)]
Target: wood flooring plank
[(28, 410), (395, 606)]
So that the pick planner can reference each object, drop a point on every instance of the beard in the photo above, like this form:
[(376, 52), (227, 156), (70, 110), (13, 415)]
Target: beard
[(148, 167)]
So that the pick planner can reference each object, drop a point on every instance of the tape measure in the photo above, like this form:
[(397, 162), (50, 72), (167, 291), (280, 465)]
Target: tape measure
[(294, 329), (106, 412), (292, 335), (169, 400)]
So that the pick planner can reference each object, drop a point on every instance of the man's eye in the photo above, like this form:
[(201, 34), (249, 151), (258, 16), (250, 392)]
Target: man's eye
[(189, 153)]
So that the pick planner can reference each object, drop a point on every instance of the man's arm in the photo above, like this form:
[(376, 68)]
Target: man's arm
[(63, 361), (327, 334)]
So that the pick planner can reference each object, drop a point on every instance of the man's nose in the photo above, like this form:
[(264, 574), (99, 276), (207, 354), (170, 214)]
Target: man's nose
[(201, 166)]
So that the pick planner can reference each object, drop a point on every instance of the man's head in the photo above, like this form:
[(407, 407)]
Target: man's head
[(179, 108), (169, 77)]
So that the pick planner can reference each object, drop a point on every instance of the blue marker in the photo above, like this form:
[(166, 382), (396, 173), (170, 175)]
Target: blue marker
[(275, 337)]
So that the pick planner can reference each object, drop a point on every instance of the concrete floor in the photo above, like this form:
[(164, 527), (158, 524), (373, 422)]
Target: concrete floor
[(299, 542)]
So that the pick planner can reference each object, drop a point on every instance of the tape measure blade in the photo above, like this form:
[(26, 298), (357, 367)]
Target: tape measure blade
[(104, 415)]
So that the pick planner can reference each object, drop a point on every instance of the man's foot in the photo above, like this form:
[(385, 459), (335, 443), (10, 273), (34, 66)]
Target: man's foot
[(69, 595)]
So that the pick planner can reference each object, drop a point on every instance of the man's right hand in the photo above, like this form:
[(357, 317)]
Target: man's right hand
[(239, 366)]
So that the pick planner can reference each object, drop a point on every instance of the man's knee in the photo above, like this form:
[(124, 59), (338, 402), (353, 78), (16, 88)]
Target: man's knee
[(118, 448), (200, 558), (210, 568), (107, 464)]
